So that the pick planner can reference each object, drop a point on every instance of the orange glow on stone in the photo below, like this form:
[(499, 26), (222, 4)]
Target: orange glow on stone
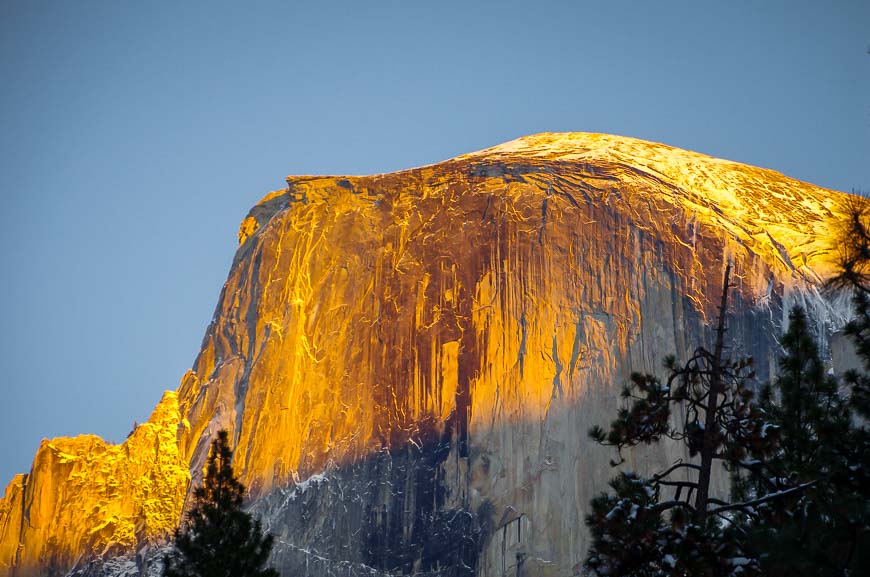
[(505, 286)]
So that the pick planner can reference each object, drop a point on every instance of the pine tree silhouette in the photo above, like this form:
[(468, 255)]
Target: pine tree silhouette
[(218, 538), (810, 533), (670, 524)]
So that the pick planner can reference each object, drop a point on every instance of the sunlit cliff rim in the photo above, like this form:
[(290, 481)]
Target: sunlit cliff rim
[(795, 219), (569, 146)]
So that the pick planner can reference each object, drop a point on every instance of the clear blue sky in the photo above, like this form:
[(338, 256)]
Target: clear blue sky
[(136, 135)]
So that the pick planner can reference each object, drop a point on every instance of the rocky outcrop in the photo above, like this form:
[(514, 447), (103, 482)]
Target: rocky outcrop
[(412, 359), (84, 497)]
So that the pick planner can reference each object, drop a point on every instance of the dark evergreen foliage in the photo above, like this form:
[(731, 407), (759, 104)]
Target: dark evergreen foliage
[(799, 455), (631, 537), (218, 538), (854, 276), (808, 532), (669, 524), (850, 480)]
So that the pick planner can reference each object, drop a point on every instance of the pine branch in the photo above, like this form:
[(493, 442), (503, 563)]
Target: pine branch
[(674, 467), (668, 505), (689, 484), (769, 497)]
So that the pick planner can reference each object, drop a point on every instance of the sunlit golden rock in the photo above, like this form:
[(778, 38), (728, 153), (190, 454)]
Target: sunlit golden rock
[(484, 287), (247, 228), (495, 302), (84, 496)]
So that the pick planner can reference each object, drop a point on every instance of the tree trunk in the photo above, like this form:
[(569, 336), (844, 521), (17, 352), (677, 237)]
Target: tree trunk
[(708, 449)]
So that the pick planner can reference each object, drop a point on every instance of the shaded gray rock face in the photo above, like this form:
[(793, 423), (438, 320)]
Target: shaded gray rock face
[(432, 509), (389, 514), (408, 363)]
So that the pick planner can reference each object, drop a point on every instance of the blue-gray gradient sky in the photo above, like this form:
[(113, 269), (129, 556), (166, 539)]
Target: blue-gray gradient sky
[(135, 136)]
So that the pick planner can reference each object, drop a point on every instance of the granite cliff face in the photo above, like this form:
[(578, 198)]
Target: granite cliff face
[(84, 497), (407, 363)]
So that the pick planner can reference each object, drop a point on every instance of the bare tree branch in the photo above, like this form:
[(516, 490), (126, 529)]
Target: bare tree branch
[(674, 467), (765, 499)]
